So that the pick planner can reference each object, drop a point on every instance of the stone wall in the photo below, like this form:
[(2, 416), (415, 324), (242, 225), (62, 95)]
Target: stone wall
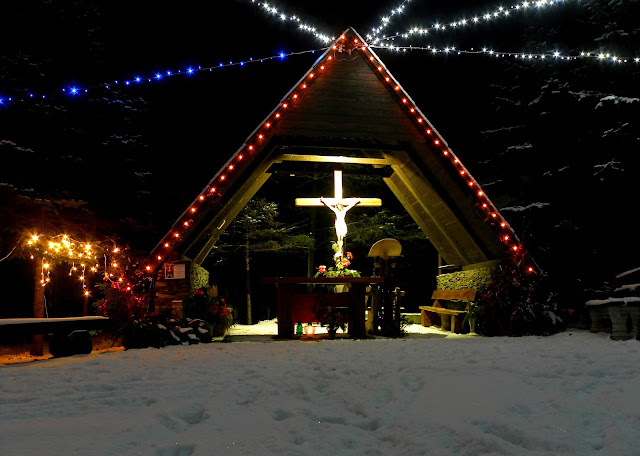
[(478, 279)]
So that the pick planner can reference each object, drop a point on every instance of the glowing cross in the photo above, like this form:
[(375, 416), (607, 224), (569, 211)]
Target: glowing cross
[(339, 206)]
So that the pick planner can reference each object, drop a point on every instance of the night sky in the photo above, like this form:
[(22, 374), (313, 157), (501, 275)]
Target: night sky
[(145, 151)]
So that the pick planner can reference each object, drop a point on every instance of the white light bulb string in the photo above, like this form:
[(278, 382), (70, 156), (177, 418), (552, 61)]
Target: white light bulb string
[(531, 56), (139, 80), (285, 17), (499, 13), (386, 20)]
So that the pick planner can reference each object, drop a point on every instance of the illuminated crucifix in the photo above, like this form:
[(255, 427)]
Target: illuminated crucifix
[(339, 206)]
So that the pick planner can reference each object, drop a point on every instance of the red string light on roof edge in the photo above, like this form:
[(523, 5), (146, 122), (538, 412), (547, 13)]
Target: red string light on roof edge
[(187, 224), (493, 214), (294, 97)]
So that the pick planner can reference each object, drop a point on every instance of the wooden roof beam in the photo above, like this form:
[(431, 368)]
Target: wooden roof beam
[(332, 159)]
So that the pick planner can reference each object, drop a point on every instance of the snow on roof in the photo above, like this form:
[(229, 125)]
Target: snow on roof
[(619, 276), (630, 286), (624, 301)]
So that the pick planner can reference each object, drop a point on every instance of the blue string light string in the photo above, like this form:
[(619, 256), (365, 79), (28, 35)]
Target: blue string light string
[(137, 80)]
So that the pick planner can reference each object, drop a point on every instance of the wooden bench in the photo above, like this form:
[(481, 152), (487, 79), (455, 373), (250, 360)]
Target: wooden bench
[(450, 320), (70, 335)]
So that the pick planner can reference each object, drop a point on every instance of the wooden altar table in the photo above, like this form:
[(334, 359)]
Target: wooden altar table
[(290, 301)]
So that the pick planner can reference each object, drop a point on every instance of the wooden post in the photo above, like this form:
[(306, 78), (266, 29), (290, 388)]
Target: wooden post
[(286, 292), (248, 269), (85, 305), (357, 295), (37, 341), (372, 327)]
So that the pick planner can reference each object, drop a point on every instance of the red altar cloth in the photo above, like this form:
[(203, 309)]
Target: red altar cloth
[(296, 307)]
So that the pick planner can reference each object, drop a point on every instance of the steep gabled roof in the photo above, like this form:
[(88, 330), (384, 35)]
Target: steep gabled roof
[(348, 101)]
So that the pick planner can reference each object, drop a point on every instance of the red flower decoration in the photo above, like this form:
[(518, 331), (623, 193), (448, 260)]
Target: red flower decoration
[(345, 262), (350, 255), (322, 269)]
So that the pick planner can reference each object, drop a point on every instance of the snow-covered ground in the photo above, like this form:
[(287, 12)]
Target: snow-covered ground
[(574, 393)]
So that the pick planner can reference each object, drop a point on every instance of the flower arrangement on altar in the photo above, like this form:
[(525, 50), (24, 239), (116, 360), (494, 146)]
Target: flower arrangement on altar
[(329, 315), (341, 268)]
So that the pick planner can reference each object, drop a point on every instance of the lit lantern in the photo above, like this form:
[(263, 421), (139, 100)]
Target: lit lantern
[(309, 330)]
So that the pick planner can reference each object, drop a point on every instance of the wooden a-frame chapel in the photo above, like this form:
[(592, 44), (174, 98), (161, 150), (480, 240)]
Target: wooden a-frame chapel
[(349, 109)]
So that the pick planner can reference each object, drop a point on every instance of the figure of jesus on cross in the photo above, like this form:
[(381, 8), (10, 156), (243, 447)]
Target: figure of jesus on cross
[(339, 206)]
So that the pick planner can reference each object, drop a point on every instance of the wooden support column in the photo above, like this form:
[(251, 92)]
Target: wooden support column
[(37, 341), (286, 296), (357, 295)]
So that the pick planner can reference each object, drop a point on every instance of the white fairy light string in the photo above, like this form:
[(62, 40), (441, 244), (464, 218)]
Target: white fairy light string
[(500, 12), (452, 50), (284, 17), (386, 20)]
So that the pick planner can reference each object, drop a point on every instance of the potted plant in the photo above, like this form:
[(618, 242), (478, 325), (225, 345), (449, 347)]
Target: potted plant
[(475, 312), (331, 317), (203, 305)]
